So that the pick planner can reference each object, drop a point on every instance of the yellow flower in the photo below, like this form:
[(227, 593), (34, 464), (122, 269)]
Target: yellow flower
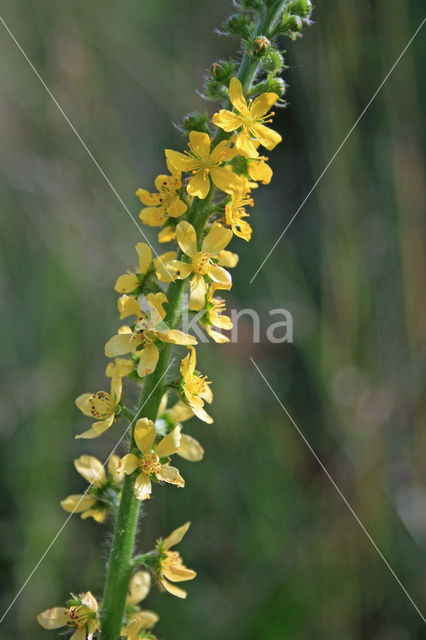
[(260, 171), (189, 448), (235, 213), (248, 120), (204, 163), (101, 406), (132, 280), (227, 259), (170, 566), (137, 620), (167, 234), (164, 204), (195, 387), (82, 615), (201, 264), (121, 367), (213, 317), (147, 330), (102, 493), (150, 463)]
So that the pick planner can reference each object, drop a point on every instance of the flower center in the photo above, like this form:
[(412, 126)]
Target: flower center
[(150, 463), (101, 405), (78, 616), (196, 385), (201, 263)]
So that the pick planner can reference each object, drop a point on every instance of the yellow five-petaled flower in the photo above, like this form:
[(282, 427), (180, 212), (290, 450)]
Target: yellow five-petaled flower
[(248, 120), (170, 565), (164, 204), (202, 262), (150, 463), (204, 163), (83, 616)]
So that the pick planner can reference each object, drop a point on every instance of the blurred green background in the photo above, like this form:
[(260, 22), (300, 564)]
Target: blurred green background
[(278, 553)]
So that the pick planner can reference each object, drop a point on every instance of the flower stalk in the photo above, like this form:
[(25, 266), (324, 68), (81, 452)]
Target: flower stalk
[(200, 206)]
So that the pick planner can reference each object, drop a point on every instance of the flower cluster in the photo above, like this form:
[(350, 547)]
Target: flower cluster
[(200, 206)]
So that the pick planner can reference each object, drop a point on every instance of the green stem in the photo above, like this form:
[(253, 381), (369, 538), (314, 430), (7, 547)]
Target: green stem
[(120, 563)]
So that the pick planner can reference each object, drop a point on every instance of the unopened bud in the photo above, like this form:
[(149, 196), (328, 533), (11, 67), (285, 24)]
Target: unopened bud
[(301, 8), (196, 121), (292, 23), (223, 70), (239, 25), (273, 61), (259, 47)]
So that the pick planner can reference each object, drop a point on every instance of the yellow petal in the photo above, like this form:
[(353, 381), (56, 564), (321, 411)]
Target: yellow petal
[(217, 239), (222, 152), (180, 161), (236, 95), (176, 536), (97, 429), (91, 469), (76, 503), (200, 142), (176, 208), (139, 621), (98, 514), (197, 295), (144, 435), (173, 589), (169, 444), (218, 337), (116, 389), (153, 216), (128, 306), (129, 463), (113, 469), (178, 573), (139, 587), (179, 269), (166, 235), (224, 179), (150, 199), (171, 475), (160, 264), (188, 363), (262, 104), (145, 256), (199, 185), (175, 336), (180, 412), (53, 618), (267, 137), (260, 171), (119, 368), (142, 487), (148, 361), (227, 259), (187, 238), (202, 414), (155, 303), (79, 634), (219, 274), (82, 402), (119, 345), (245, 145), (190, 449), (127, 283), (227, 120)]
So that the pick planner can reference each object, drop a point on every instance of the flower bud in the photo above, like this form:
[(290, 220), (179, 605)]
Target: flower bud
[(239, 25), (292, 23), (259, 47), (216, 90), (223, 70), (276, 85), (196, 121), (273, 61), (301, 8)]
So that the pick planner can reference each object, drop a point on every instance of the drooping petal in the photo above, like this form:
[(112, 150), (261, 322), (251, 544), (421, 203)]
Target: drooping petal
[(262, 104), (245, 145), (129, 463), (119, 368), (188, 363), (139, 587), (180, 412), (160, 264), (82, 402), (178, 572), (179, 269), (187, 238), (142, 487), (180, 161), (202, 414), (76, 503), (91, 469), (173, 589), (176, 207), (200, 144), (113, 469), (128, 306), (144, 435), (260, 171), (139, 621), (116, 389), (53, 618), (148, 360), (99, 514), (197, 295), (190, 449), (267, 137), (145, 256), (224, 179), (227, 120), (80, 634), (171, 475), (236, 95), (119, 345), (127, 283), (150, 199), (217, 239), (97, 429), (155, 303), (169, 444), (227, 259), (199, 184)]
